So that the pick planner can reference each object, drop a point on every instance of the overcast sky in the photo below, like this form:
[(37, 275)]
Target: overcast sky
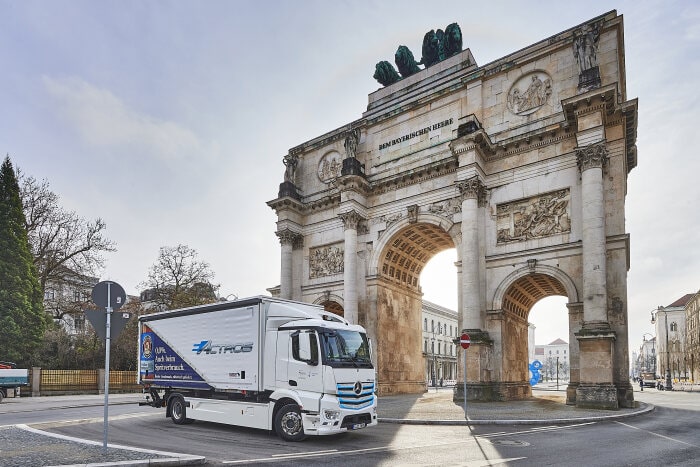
[(170, 119)]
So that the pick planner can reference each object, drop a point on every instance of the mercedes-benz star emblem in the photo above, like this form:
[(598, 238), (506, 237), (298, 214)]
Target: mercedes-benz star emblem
[(357, 388)]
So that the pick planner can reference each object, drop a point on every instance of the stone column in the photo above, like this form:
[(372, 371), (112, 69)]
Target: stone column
[(350, 221), (596, 339), (591, 160), (287, 241), (472, 192)]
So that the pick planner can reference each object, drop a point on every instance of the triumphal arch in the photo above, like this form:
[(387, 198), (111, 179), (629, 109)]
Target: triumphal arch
[(521, 165)]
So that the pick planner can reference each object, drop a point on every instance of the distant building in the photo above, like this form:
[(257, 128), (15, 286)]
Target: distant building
[(67, 298), (669, 324), (692, 337), (439, 350), (553, 354)]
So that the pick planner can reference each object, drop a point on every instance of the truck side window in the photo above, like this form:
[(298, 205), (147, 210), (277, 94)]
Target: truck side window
[(305, 347)]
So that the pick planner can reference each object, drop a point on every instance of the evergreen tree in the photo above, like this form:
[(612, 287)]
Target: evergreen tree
[(22, 318)]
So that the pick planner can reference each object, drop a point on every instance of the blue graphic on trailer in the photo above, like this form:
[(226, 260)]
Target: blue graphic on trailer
[(161, 366), (535, 372)]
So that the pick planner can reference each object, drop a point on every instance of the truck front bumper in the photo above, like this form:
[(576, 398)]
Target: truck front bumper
[(332, 419)]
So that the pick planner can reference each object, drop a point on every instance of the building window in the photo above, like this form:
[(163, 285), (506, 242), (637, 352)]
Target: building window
[(439, 347), (76, 296), (49, 295), (674, 326), (432, 326), (425, 324)]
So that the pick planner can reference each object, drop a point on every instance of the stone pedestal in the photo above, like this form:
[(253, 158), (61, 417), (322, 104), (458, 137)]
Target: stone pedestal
[(596, 389)]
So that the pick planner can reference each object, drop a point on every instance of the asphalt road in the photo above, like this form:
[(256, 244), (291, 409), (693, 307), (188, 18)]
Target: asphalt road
[(668, 436)]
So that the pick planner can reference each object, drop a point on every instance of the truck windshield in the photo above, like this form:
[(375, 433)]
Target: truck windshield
[(345, 349)]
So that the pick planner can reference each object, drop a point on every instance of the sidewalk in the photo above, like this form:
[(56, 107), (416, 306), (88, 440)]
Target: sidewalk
[(545, 407), (21, 445)]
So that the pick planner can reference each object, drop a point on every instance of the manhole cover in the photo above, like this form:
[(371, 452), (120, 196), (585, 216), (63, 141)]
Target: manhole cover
[(509, 442)]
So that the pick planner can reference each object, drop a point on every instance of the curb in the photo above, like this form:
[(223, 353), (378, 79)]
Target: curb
[(552, 421)]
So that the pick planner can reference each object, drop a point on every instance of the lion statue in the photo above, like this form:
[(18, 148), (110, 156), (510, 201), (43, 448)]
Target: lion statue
[(453, 40), (431, 49), (405, 62), (385, 73)]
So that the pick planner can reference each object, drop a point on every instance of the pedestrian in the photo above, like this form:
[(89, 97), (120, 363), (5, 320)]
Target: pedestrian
[(641, 384)]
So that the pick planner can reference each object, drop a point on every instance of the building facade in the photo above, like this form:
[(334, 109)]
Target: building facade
[(669, 325), (521, 165), (691, 358), (439, 348)]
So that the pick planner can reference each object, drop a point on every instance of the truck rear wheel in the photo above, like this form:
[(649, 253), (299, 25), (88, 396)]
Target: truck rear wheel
[(1, 395), (288, 423), (178, 411)]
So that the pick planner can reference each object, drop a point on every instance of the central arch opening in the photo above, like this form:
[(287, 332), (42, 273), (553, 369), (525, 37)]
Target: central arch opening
[(400, 326)]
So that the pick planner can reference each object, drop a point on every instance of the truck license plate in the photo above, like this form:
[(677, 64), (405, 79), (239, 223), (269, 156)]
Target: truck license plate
[(357, 426)]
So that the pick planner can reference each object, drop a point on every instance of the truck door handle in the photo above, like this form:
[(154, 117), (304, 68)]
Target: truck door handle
[(292, 382)]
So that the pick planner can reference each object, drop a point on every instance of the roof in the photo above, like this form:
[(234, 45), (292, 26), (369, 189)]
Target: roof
[(683, 301), (558, 342)]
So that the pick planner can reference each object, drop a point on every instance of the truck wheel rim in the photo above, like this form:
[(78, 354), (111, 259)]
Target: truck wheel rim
[(177, 410), (291, 423)]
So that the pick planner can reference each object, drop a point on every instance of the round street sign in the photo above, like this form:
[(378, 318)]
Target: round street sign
[(117, 296), (464, 341)]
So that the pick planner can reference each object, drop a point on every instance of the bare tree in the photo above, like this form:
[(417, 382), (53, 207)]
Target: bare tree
[(178, 279), (66, 247)]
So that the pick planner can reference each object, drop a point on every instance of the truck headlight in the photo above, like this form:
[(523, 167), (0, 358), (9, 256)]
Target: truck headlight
[(331, 414)]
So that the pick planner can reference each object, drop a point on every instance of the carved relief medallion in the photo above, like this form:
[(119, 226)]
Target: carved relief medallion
[(529, 93), (536, 217), (326, 261), (329, 167)]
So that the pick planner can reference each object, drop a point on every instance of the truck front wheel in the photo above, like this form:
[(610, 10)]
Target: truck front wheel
[(288, 423), (178, 411)]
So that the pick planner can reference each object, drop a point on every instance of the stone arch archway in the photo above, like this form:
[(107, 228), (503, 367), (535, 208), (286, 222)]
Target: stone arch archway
[(532, 207), (508, 324), (401, 255), (331, 302)]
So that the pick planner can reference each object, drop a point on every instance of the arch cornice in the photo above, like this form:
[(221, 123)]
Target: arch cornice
[(422, 217), (558, 274)]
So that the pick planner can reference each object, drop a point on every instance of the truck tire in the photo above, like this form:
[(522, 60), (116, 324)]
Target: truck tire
[(1, 395), (178, 411), (288, 423)]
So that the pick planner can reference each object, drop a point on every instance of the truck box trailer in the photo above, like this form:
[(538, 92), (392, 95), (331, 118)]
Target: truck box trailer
[(259, 362), (11, 379)]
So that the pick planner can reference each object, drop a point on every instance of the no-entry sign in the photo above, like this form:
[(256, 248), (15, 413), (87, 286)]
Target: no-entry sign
[(464, 341)]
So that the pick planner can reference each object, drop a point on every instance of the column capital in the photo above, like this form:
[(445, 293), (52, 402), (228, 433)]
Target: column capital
[(289, 237), (592, 156), (351, 219), (472, 188)]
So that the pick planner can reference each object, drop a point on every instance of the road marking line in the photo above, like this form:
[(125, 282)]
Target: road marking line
[(327, 451), (659, 435)]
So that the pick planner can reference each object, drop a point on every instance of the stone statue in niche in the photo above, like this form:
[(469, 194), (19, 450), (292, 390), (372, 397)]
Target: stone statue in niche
[(586, 47), (351, 142), (326, 261), (536, 217), (290, 163)]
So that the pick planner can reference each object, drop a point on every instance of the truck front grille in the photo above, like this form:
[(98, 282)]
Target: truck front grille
[(355, 396)]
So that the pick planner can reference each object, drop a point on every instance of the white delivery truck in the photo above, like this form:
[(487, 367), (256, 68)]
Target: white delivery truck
[(11, 378), (259, 362)]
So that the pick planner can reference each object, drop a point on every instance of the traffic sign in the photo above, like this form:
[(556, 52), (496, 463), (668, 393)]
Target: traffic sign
[(464, 341), (98, 319), (108, 294)]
